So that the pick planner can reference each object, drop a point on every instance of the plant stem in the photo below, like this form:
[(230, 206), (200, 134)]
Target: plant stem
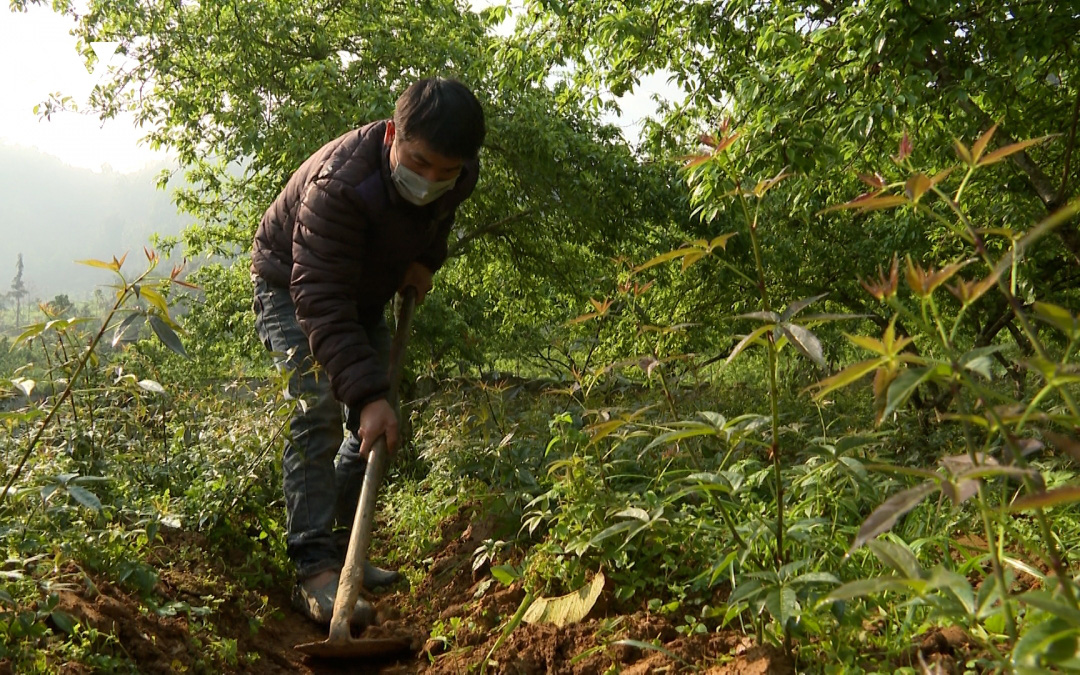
[(774, 395), (120, 298)]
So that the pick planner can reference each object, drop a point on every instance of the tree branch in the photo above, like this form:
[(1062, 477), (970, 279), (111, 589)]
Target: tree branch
[(486, 229), (1044, 187), (1069, 150)]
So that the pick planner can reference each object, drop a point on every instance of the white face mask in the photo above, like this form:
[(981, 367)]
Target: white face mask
[(416, 189)]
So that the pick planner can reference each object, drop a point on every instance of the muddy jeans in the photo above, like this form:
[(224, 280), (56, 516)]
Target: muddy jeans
[(323, 468)]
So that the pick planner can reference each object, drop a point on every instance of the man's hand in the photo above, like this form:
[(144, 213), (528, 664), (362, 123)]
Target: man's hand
[(419, 277), (377, 418)]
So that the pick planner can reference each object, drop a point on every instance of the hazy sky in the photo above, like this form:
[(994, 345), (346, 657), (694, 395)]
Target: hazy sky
[(37, 56)]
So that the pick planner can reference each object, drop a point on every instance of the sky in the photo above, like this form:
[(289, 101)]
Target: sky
[(38, 56)]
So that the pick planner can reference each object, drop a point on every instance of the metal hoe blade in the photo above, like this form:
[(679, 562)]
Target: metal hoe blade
[(341, 643)]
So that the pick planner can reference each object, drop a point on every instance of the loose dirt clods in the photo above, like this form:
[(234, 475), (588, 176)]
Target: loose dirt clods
[(170, 640)]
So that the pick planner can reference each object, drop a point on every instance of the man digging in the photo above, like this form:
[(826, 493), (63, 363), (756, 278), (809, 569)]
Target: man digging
[(364, 217)]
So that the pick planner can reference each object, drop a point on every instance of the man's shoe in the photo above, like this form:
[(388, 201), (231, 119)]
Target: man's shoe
[(317, 603), (374, 577)]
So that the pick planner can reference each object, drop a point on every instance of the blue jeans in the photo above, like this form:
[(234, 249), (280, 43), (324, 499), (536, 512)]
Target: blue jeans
[(323, 469)]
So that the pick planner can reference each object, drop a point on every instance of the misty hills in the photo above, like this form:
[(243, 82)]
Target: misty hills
[(55, 214)]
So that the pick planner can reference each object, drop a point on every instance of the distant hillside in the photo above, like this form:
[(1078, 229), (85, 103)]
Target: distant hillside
[(55, 214)]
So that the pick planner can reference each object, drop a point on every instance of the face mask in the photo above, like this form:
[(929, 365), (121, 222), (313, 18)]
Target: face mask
[(416, 189)]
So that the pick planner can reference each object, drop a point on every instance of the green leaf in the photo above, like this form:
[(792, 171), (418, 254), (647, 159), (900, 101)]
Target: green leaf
[(854, 466), (635, 513), (771, 317), (856, 441), (1046, 601), (905, 384), (721, 241), (722, 566), (962, 152), (718, 480), (505, 574), (1002, 153), (745, 591), (63, 621), (566, 609), (673, 436), (806, 342), (1059, 318), (691, 258), (947, 580), (798, 306), (1043, 500), (898, 557), (980, 144), (980, 353), (666, 257), (782, 604), (155, 299), (868, 203), (167, 336), (791, 568), (124, 326), (845, 377), (600, 431), (84, 497), (29, 333), (151, 386), (111, 266), (885, 516), (863, 587), (916, 186), (746, 341), (613, 530), (789, 605), (718, 421), (981, 366), (814, 578), (1024, 567), (1045, 644), (25, 385)]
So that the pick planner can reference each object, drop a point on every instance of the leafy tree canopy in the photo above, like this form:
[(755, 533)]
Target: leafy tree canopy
[(827, 90)]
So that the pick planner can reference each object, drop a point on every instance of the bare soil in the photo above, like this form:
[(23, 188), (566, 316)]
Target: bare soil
[(449, 590)]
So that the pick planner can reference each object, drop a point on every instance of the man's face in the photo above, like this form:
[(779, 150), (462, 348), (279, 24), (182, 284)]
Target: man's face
[(418, 156)]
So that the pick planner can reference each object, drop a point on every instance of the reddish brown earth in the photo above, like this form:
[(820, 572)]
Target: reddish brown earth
[(450, 589)]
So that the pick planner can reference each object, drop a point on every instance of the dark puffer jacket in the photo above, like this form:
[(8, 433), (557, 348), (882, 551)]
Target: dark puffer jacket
[(340, 237)]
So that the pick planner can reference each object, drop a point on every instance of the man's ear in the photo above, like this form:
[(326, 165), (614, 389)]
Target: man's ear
[(391, 131)]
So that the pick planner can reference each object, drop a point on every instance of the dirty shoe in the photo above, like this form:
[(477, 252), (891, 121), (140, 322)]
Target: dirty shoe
[(374, 577), (314, 598)]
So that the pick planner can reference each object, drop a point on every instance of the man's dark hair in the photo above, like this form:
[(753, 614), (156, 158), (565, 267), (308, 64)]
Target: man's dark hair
[(443, 113)]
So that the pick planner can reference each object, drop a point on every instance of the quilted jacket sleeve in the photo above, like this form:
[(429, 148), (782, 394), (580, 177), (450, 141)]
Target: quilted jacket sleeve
[(328, 241), (435, 255)]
